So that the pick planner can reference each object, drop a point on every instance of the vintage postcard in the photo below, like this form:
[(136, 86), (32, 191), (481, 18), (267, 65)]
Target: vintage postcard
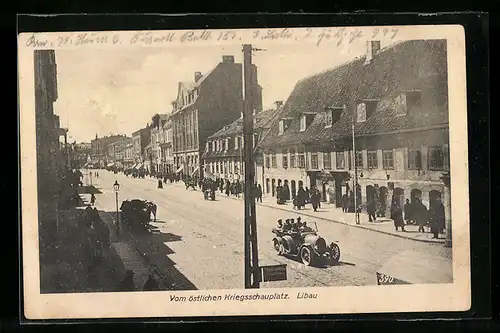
[(244, 172)]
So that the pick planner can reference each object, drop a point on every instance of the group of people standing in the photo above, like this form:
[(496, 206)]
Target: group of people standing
[(96, 235), (417, 213)]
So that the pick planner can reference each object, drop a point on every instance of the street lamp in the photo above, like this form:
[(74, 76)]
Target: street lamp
[(116, 188)]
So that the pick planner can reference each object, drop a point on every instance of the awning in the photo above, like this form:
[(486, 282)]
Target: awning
[(138, 166), (180, 169), (195, 171), (110, 165), (208, 174), (133, 166)]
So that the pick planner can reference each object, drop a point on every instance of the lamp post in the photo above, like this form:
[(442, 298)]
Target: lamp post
[(116, 188)]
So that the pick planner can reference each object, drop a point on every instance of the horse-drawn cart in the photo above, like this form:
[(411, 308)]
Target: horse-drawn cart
[(137, 213)]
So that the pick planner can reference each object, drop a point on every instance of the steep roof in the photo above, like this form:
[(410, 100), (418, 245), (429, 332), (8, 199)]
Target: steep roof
[(416, 64)]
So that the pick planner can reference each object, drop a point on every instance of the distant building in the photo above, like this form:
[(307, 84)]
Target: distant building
[(116, 153), (157, 140), (167, 152), (397, 99), (101, 156), (224, 150), (140, 139), (203, 107)]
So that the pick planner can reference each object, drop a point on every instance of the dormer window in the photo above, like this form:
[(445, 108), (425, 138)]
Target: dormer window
[(333, 115), (284, 124), (303, 123), (365, 109)]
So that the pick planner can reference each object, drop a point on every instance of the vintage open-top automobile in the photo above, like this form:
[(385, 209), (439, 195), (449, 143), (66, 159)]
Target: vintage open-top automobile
[(301, 240)]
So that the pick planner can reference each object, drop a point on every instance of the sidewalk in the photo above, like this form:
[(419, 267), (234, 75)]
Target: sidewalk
[(70, 269), (144, 253), (329, 212)]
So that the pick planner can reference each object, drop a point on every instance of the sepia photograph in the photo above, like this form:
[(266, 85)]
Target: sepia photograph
[(264, 171)]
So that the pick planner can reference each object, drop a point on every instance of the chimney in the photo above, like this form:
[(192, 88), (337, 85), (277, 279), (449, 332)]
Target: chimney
[(278, 104), (197, 76), (372, 48), (228, 59)]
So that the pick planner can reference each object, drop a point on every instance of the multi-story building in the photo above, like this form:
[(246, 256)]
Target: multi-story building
[(396, 100), (81, 153), (51, 163), (157, 140), (116, 153), (140, 139), (167, 147), (128, 156), (203, 107), (101, 155), (224, 150)]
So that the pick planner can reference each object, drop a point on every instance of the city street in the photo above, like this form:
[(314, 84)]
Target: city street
[(205, 238)]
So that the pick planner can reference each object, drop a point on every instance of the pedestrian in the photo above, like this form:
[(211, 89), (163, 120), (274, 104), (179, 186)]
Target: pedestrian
[(127, 284), (371, 209), (408, 213), (160, 183), (315, 198), (397, 216), (151, 284), (92, 199), (259, 193), (437, 218), (420, 214), (301, 196), (345, 202)]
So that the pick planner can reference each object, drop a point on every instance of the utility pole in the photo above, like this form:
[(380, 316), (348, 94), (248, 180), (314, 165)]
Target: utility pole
[(252, 269)]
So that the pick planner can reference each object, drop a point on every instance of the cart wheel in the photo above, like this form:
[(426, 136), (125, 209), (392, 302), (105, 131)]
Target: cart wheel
[(335, 253), (306, 256)]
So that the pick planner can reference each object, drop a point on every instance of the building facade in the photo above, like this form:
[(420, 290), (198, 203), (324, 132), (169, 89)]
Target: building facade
[(203, 107), (140, 139), (167, 147), (157, 141), (395, 102), (101, 155), (224, 150), (116, 153)]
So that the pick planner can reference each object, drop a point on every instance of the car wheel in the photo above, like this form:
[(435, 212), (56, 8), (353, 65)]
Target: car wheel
[(335, 253), (276, 245), (306, 255)]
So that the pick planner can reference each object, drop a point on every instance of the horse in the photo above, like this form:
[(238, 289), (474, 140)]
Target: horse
[(151, 207)]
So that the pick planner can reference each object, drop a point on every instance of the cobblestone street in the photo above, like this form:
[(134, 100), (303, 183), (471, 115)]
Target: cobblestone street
[(199, 244)]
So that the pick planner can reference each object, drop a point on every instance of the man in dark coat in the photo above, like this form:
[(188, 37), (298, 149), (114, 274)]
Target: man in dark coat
[(408, 212), (315, 198), (397, 216), (345, 202), (151, 284), (371, 208), (259, 193), (127, 284), (301, 197), (419, 212), (437, 218)]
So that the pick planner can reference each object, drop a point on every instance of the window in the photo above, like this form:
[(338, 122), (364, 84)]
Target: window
[(303, 123), (226, 145), (388, 159), (302, 160), (314, 160), (340, 159), (329, 118), (268, 161), (284, 159), (273, 160), (359, 159), (281, 127), (414, 159), (327, 162), (361, 113), (372, 160), (436, 158), (236, 142)]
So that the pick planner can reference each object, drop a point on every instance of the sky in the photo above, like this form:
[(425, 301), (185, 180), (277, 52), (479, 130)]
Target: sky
[(117, 91)]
